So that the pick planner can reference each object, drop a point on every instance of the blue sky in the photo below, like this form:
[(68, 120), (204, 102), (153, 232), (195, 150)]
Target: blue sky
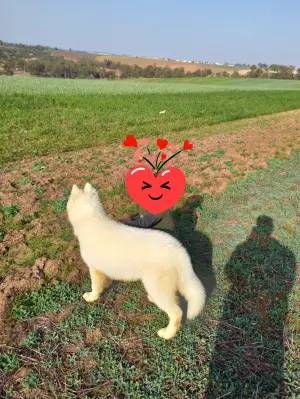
[(217, 31)]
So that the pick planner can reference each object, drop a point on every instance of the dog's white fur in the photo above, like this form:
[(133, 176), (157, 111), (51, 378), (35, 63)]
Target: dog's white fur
[(116, 251)]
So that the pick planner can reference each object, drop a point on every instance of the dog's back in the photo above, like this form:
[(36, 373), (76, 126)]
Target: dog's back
[(123, 252)]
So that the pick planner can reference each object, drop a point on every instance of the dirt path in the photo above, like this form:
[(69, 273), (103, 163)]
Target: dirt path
[(37, 243)]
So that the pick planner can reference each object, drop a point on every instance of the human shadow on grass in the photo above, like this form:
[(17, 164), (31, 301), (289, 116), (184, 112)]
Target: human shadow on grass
[(248, 358)]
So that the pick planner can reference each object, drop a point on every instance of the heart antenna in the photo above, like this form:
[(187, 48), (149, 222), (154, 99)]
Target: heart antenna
[(167, 160), (150, 163)]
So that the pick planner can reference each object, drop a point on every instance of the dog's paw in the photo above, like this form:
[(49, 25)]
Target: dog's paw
[(90, 297), (166, 334)]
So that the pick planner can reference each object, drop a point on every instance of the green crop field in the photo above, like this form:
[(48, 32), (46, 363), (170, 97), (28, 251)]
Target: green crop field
[(238, 219), (42, 116), (23, 85), (110, 349)]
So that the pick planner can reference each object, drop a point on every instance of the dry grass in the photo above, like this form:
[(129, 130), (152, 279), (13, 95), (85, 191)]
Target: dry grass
[(140, 61), (143, 62)]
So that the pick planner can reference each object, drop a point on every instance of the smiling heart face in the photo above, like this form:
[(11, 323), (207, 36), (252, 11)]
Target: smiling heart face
[(158, 193)]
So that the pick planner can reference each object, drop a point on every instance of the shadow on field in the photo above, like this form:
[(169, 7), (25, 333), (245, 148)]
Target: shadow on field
[(197, 244), (248, 358)]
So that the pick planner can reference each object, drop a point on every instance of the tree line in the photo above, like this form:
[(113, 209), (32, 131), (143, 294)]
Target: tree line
[(87, 68), (274, 71), (17, 57), (152, 71), (58, 67)]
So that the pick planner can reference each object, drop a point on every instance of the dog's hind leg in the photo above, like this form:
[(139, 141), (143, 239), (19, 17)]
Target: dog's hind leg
[(99, 282), (163, 293)]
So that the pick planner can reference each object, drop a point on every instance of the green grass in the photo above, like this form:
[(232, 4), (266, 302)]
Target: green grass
[(234, 349), (47, 116), (20, 85), (10, 210), (60, 205)]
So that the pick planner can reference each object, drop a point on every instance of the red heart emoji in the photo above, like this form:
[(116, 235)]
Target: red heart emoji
[(163, 156), (158, 193), (187, 145), (130, 141), (162, 143)]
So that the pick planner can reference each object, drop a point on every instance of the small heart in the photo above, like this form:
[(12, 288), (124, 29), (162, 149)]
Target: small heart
[(130, 141), (144, 142), (162, 143), (187, 145), (140, 160), (163, 156), (173, 147), (138, 153)]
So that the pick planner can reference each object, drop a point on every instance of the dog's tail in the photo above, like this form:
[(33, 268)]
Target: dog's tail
[(190, 287)]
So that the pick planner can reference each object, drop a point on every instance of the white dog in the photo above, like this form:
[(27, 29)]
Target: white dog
[(116, 251)]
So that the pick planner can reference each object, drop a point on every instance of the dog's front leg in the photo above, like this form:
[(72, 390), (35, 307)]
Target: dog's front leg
[(99, 282)]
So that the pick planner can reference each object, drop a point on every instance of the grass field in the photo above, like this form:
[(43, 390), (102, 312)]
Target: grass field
[(64, 347), (239, 220), (43, 116)]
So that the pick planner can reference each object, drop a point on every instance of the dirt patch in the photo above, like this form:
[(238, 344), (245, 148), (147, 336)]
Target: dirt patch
[(144, 62), (71, 55), (141, 61), (27, 278), (244, 72), (22, 281), (243, 147)]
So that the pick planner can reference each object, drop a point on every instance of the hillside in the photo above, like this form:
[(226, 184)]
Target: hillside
[(33, 52), (142, 61)]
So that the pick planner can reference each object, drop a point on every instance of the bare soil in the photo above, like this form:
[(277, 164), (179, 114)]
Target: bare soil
[(235, 150), (141, 61)]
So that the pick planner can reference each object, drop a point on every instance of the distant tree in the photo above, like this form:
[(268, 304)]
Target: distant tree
[(255, 72), (263, 66), (235, 74), (167, 72), (107, 63), (20, 63), (264, 75), (225, 74), (298, 74), (275, 67), (178, 73), (10, 66), (158, 72), (149, 72), (8, 70), (199, 73)]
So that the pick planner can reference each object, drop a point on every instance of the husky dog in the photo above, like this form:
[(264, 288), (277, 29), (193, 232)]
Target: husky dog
[(114, 251)]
